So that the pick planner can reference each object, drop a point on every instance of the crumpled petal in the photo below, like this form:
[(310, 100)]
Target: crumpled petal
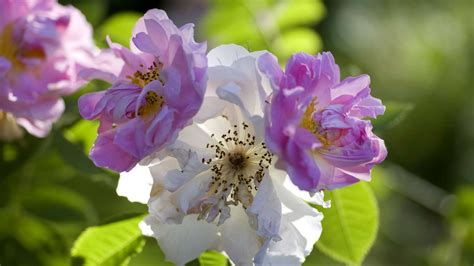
[(41, 56), (314, 122), (157, 88)]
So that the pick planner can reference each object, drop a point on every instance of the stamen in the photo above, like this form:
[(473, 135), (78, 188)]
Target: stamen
[(12, 52), (142, 78), (153, 103), (308, 122), (238, 167)]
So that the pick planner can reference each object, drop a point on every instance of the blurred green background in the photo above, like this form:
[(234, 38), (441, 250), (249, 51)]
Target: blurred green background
[(420, 57)]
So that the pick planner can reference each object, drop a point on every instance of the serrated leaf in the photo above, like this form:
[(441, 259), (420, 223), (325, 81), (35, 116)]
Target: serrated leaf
[(394, 114), (109, 244), (118, 27), (350, 225), (212, 258)]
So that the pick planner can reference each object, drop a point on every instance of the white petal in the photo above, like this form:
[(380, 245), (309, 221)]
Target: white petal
[(136, 184), (266, 207), (317, 198), (217, 126), (267, 210), (159, 170), (163, 209), (191, 138), (239, 84), (190, 193), (190, 166), (300, 229), (231, 92), (184, 242), (239, 240), (254, 93), (225, 54), (211, 107)]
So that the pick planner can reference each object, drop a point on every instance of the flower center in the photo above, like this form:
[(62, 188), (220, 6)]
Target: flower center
[(153, 103), (308, 122), (8, 49), (238, 167), (237, 161), (142, 78)]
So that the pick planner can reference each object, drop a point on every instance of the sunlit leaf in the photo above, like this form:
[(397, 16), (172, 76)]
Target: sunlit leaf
[(109, 244), (297, 40), (119, 27), (152, 253), (299, 12), (350, 225), (394, 114), (282, 27), (84, 133), (212, 258)]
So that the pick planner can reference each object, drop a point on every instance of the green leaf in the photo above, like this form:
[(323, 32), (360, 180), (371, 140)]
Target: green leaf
[(350, 225), (299, 12), (109, 244), (84, 133), (317, 258), (94, 10), (394, 114), (74, 155), (118, 27), (212, 258), (297, 40), (256, 25), (59, 204)]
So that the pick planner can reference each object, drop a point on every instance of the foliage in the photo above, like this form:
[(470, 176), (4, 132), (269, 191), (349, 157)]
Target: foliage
[(282, 27), (109, 244), (118, 27), (350, 225), (212, 258), (51, 191), (394, 114)]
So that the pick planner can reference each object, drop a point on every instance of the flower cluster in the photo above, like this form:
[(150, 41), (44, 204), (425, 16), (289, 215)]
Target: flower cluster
[(43, 46), (225, 148), (234, 179), (216, 186)]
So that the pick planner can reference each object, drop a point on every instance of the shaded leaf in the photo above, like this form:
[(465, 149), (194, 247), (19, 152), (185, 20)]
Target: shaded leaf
[(109, 244), (59, 204), (74, 155), (394, 114), (350, 225)]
